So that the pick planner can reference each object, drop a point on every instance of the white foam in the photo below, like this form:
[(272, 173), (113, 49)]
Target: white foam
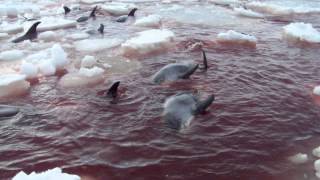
[(299, 158), (11, 55), (248, 13), (52, 174), (78, 36), (88, 62), (118, 9), (93, 45), (29, 69), (236, 38), (59, 56), (48, 36), (13, 85), (148, 41), (303, 32), (149, 21), (316, 91)]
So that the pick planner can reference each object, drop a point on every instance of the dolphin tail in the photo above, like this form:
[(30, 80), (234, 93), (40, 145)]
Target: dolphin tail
[(190, 72), (203, 105), (205, 62), (30, 34), (131, 13), (112, 92), (93, 12), (66, 9)]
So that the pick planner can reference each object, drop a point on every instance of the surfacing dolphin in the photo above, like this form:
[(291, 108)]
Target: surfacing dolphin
[(180, 109), (124, 18), (66, 10), (113, 90), (86, 18), (30, 34), (101, 29), (8, 111)]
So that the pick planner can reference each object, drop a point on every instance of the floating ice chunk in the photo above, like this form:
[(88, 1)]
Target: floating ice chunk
[(4, 35), (149, 21), (12, 12), (299, 158), (59, 57), (11, 55), (10, 28), (148, 41), (233, 37), (92, 1), (316, 91), (47, 68), (317, 165), (13, 85), (247, 13), (226, 2), (48, 36), (88, 62), (29, 69), (53, 23), (118, 9), (52, 174), (78, 36), (303, 32), (85, 77), (93, 45), (316, 151)]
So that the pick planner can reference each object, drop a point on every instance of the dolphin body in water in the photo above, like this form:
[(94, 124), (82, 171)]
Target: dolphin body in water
[(113, 90), (124, 18), (175, 71), (86, 18), (8, 111), (30, 34), (180, 109)]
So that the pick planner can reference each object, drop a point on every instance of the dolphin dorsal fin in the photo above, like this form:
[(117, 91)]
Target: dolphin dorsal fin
[(205, 62), (203, 105), (190, 72), (66, 9), (33, 29), (93, 12), (131, 13), (112, 92), (101, 28)]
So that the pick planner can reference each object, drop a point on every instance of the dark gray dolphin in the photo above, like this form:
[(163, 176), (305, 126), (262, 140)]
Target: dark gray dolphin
[(8, 111), (174, 71), (30, 34), (113, 90), (180, 109), (205, 62), (66, 10), (124, 18), (92, 15), (101, 29)]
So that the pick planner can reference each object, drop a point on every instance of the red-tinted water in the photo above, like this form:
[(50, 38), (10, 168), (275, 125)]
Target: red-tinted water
[(263, 113)]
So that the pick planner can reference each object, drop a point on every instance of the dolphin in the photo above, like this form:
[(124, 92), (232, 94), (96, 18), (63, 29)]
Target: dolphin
[(180, 109), (101, 29), (66, 10), (124, 18), (8, 111), (30, 34), (174, 71), (205, 62), (113, 90), (86, 18)]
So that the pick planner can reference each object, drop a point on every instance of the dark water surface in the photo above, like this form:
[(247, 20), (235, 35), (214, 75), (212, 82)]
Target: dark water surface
[(264, 112)]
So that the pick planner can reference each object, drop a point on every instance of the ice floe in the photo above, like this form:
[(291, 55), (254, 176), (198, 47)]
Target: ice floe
[(85, 77), (316, 151), (88, 62), (316, 91), (247, 13), (236, 38), (29, 70), (93, 45), (226, 2), (148, 41), (48, 36), (59, 56), (10, 28), (11, 55), (149, 21), (118, 9), (51, 174), (13, 85), (78, 36), (92, 1), (299, 158), (52, 23), (303, 32)]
